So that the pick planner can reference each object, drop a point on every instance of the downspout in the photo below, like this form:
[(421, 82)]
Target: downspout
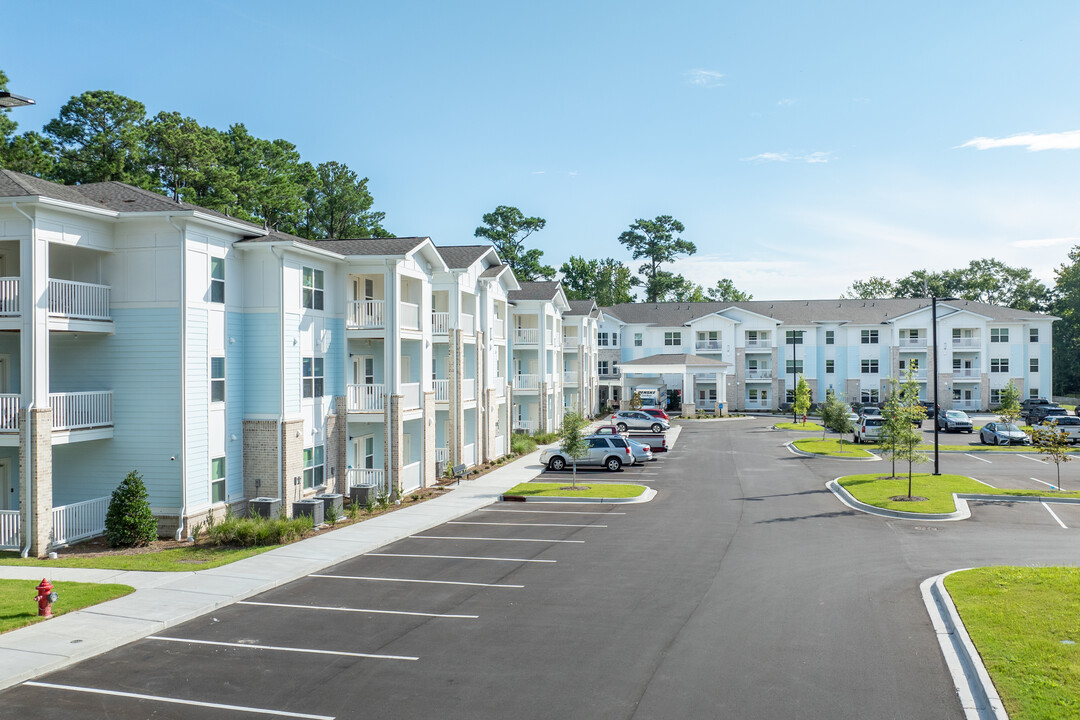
[(281, 371), (183, 380), (29, 409), (390, 369)]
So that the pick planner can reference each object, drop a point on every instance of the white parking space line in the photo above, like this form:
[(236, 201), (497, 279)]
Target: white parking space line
[(368, 611), (282, 649), (551, 512), (973, 457), (179, 701), (1054, 515), (1028, 457), (1049, 485), (982, 482), (450, 537), (514, 524), (411, 580), (457, 557)]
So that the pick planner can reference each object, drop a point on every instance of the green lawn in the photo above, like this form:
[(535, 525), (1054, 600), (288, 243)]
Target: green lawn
[(18, 604), (831, 448), (876, 489), (808, 427), (1023, 623), (594, 490), (182, 559)]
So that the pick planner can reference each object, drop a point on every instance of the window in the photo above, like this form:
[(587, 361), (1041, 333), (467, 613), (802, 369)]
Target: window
[(1033, 335), (673, 338), (999, 365), (870, 367), (995, 396), (752, 394), (217, 280), (614, 367), (830, 366), (313, 288), (708, 340), (999, 335), (789, 396), (217, 379), (313, 377), (615, 339), (637, 339), (870, 395), (793, 366), (602, 367), (793, 337), (830, 337), (602, 339), (217, 480), (1033, 365), (314, 458), (869, 337), (1033, 393)]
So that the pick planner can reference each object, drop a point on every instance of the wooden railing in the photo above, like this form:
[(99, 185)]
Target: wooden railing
[(527, 382), (442, 390), (410, 395), (9, 296), (468, 389), (468, 324), (9, 412), (410, 476), (368, 477), (9, 529), (526, 336)]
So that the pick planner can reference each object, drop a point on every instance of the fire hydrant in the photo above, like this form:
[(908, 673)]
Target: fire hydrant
[(45, 598)]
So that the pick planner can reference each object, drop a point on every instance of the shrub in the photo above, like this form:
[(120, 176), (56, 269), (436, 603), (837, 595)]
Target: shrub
[(522, 444), (129, 521), (547, 438), (257, 530)]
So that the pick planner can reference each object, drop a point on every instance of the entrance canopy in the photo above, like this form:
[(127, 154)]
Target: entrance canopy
[(690, 367)]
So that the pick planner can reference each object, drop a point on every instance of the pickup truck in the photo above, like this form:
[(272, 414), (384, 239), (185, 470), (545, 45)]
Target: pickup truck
[(1066, 423), (656, 442)]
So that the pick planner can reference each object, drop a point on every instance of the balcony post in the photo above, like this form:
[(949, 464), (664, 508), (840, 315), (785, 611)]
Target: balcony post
[(36, 425), (455, 370)]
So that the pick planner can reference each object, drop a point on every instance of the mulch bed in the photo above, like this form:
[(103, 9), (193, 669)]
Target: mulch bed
[(905, 498)]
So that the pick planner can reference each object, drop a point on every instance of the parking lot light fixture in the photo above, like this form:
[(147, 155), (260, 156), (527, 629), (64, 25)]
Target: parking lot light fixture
[(11, 100)]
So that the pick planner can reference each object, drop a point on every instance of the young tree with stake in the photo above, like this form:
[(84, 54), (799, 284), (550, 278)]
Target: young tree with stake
[(573, 445), (802, 398), (1052, 442)]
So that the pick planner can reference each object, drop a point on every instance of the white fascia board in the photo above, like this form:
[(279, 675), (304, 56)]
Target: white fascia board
[(431, 253), (559, 301), (748, 312), (300, 248), (62, 204)]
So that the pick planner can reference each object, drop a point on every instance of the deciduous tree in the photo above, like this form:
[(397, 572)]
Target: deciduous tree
[(507, 228), (656, 241), (1067, 330), (1010, 403), (801, 405), (574, 445), (1053, 442)]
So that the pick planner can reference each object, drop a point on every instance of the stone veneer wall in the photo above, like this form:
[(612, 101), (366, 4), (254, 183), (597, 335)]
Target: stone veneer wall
[(38, 423)]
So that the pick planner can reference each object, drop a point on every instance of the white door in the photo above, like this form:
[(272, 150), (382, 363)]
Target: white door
[(364, 451), (369, 289), (363, 369), (406, 368), (10, 499)]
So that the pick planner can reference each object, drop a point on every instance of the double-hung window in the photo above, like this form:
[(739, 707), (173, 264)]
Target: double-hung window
[(999, 335), (1033, 335), (217, 280), (314, 466), (313, 289), (602, 339), (217, 379), (793, 337), (869, 337), (830, 366), (793, 366), (673, 338), (217, 480), (637, 340), (1033, 365), (602, 367), (869, 366), (614, 367), (999, 365), (313, 377), (830, 337)]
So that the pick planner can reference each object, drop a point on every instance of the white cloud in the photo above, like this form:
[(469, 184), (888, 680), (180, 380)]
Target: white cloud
[(572, 173), (1046, 242), (705, 78), (814, 157), (1069, 140), (786, 102), (537, 172)]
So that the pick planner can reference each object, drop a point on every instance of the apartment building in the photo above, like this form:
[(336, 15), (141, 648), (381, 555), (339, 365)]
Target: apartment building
[(224, 361), (851, 347)]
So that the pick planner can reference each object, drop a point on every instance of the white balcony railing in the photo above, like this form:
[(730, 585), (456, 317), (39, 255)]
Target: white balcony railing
[(368, 477), (440, 323), (758, 344), (500, 387), (79, 300), (365, 397), (965, 404), (9, 413), (526, 425), (9, 529), (442, 454), (526, 336), (497, 330), (570, 377), (759, 374), (707, 345), (757, 405), (442, 390), (410, 395), (966, 373), (468, 324), (365, 314), (527, 382), (468, 389), (966, 342), (570, 343), (78, 521), (468, 455), (410, 476), (918, 375), (9, 296), (409, 315), (500, 445), (909, 342), (79, 410)]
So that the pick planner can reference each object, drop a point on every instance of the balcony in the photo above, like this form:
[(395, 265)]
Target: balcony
[(468, 389), (68, 299), (910, 342), (411, 475), (366, 314), (763, 344), (526, 336), (81, 410), (497, 330), (500, 387), (468, 324), (966, 342), (966, 373), (9, 413), (528, 426), (759, 374), (365, 397), (708, 345), (570, 377), (368, 477), (440, 323), (570, 343), (409, 315), (442, 390), (9, 297), (410, 395), (527, 382)]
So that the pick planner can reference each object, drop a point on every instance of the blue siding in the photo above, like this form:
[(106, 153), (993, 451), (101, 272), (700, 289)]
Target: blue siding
[(262, 386), (335, 358), (140, 364), (293, 366), (198, 407)]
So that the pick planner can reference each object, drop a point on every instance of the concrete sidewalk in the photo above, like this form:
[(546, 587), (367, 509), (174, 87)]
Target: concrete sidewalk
[(162, 600)]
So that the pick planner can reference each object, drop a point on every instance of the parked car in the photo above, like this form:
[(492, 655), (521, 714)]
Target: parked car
[(639, 420), (868, 428), (929, 407), (870, 411), (1039, 413), (916, 422), (641, 452), (1068, 423), (656, 413), (998, 433), (607, 452), (1026, 406), (953, 421)]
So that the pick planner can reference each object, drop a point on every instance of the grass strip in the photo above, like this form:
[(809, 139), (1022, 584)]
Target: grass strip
[(1023, 623), (831, 448), (585, 490), (18, 606), (183, 559), (876, 489), (807, 426)]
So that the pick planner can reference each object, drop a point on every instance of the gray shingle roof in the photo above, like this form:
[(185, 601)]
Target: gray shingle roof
[(676, 359), (493, 271), (13, 184), (462, 256), (581, 307), (807, 312), (542, 290), (356, 246)]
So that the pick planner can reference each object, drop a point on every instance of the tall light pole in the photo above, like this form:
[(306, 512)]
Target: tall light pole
[(933, 321), (794, 375)]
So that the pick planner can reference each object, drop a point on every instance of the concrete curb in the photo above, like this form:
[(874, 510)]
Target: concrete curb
[(791, 447), (974, 687), (644, 497), (962, 510)]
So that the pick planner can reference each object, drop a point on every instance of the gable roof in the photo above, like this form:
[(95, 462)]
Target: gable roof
[(583, 307), (536, 290), (354, 246), (686, 359), (462, 256)]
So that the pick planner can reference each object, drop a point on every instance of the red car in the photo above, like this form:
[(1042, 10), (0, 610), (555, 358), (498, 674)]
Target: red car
[(656, 413)]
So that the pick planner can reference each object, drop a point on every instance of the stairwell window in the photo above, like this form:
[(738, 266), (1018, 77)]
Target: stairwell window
[(314, 466), (830, 366), (869, 337), (869, 367), (638, 340), (1033, 335), (217, 379), (672, 338), (217, 480), (830, 337), (999, 365), (313, 377), (217, 280), (313, 289), (1033, 365)]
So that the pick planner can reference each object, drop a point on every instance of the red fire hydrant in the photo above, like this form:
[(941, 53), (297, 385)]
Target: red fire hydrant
[(45, 598)]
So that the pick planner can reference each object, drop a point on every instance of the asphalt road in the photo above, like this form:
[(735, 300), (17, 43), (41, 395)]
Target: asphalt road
[(744, 590)]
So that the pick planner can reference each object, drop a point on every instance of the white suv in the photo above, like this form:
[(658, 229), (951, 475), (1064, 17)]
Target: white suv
[(868, 428)]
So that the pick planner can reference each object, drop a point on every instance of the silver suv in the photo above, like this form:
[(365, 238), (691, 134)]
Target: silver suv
[(611, 452), (637, 420)]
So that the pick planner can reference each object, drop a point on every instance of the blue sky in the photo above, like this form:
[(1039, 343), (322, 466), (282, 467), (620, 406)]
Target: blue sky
[(803, 145)]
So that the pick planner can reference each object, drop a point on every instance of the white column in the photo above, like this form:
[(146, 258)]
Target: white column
[(34, 307)]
